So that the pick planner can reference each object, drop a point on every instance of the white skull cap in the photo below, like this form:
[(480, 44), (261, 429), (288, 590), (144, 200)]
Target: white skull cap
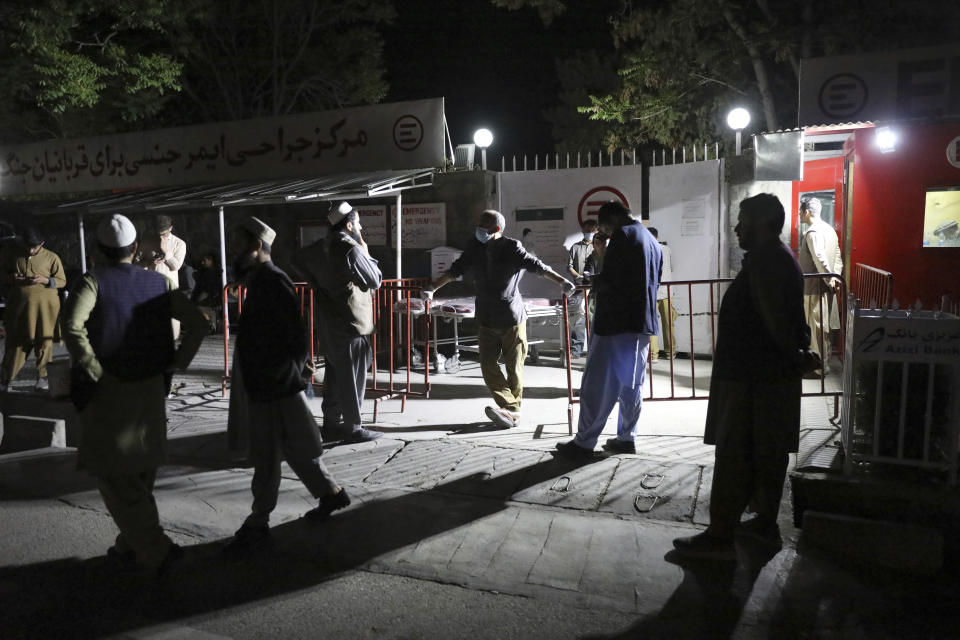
[(336, 216), (116, 231)]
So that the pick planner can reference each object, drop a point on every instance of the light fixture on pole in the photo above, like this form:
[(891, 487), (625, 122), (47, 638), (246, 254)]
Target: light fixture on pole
[(737, 119), (483, 138)]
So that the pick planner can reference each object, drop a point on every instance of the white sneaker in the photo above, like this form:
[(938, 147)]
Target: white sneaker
[(500, 417), (42, 385)]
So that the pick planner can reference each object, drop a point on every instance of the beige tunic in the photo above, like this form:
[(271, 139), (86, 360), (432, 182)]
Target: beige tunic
[(820, 253), (175, 252), (32, 309)]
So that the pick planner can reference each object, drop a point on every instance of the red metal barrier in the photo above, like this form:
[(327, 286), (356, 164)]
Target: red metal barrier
[(306, 311), (715, 288), (402, 321)]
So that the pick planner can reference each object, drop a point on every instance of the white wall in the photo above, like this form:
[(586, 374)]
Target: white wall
[(685, 207), (560, 188)]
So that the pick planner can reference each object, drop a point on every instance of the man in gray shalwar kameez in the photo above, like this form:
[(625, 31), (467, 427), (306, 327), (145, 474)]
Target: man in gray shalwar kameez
[(343, 274)]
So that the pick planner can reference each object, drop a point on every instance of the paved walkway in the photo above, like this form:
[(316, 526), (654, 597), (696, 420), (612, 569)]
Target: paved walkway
[(442, 499)]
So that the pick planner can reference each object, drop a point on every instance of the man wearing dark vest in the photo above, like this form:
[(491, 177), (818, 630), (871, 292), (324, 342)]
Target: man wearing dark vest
[(344, 275), (116, 325)]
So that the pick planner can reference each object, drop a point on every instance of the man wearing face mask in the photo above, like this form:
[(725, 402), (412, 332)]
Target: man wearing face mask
[(497, 264), (579, 254), (343, 274)]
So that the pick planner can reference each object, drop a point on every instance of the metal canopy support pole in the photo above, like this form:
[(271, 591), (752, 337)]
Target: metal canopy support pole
[(83, 242), (223, 276), (396, 239)]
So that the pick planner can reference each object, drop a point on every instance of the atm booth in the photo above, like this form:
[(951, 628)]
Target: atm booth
[(892, 192)]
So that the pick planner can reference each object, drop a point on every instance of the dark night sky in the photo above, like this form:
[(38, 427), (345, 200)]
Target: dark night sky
[(496, 68)]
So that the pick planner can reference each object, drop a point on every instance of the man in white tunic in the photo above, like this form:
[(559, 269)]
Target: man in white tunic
[(819, 253)]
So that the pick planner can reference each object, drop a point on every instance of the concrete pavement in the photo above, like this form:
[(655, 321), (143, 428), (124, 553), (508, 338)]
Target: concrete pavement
[(457, 530)]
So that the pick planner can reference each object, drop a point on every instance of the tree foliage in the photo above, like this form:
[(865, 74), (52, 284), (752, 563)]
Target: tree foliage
[(82, 67), (683, 63), (73, 65), (272, 57)]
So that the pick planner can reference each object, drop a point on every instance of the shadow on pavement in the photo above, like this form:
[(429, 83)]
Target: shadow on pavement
[(72, 598), (709, 601)]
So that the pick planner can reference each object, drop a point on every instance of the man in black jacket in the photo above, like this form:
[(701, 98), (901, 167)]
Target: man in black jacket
[(753, 416), (271, 352)]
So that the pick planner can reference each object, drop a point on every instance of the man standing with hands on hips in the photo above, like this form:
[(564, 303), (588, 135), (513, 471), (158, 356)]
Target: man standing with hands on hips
[(497, 263)]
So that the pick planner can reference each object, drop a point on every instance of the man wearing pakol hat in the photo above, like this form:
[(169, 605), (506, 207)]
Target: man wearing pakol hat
[(497, 263), (33, 274), (116, 327), (343, 274), (819, 253), (271, 353)]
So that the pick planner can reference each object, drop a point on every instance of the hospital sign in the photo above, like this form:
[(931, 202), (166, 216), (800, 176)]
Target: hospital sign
[(402, 135)]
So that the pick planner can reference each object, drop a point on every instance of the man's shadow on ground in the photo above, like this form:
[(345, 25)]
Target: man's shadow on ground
[(96, 597), (708, 602)]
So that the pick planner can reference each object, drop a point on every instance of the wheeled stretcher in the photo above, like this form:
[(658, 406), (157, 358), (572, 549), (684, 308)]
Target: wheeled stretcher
[(456, 310)]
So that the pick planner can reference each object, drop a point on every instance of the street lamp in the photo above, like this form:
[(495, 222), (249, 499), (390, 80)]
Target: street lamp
[(737, 119), (483, 139)]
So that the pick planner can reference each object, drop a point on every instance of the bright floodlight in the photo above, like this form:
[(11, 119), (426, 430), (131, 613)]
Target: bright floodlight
[(886, 139), (483, 138), (738, 118)]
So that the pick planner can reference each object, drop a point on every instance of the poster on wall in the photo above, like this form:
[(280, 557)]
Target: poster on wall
[(540, 229), (312, 230), (423, 226), (694, 217), (373, 219), (553, 204)]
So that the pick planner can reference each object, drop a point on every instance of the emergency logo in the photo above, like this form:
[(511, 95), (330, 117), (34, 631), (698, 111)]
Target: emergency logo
[(592, 200), (953, 152), (408, 132), (843, 96)]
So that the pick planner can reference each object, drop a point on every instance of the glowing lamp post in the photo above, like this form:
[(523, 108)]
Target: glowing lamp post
[(737, 119), (483, 138)]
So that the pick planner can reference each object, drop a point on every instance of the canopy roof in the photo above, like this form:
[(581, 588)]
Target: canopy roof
[(343, 186)]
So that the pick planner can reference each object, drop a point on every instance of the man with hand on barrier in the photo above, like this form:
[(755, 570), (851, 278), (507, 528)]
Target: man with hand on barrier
[(497, 263), (625, 291)]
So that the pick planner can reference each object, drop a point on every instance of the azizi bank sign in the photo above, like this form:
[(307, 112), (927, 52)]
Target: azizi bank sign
[(401, 135)]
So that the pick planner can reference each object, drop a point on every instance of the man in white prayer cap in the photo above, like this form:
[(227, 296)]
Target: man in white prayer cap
[(344, 275), (116, 325)]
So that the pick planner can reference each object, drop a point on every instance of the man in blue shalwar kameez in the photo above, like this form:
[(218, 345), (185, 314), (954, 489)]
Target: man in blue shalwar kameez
[(625, 292)]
